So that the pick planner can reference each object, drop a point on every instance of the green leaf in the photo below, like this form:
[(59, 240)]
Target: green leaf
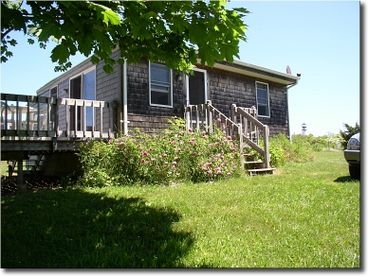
[(110, 17), (60, 53)]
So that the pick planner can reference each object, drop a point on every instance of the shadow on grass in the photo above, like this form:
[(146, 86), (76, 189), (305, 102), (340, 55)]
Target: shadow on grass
[(344, 179), (76, 229)]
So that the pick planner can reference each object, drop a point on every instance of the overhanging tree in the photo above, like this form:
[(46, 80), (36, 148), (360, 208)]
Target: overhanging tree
[(177, 33)]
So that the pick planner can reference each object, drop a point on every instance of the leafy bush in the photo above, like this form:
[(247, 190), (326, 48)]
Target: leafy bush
[(175, 154), (300, 149), (282, 150), (348, 133)]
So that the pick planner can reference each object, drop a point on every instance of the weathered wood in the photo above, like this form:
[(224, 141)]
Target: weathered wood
[(101, 120), (25, 107), (266, 147), (197, 117), (84, 119), (241, 144), (6, 114), (28, 117), (248, 130)]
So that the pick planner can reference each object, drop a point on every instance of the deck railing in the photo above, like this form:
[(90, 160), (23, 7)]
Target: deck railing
[(24, 116)]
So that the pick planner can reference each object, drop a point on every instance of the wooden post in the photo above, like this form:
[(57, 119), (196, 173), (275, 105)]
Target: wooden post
[(187, 117), (84, 117), (56, 106), (109, 111), (115, 112), (266, 147), (210, 116), (206, 117), (6, 114), (38, 116), (17, 116), (197, 117), (28, 116), (20, 178), (75, 118), (68, 109), (101, 119), (241, 145), (48, 116), (234, 118), (93, 120)]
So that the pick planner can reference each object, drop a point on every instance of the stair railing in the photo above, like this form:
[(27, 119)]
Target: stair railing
[(253, 131), (243, 126), (205, 117)]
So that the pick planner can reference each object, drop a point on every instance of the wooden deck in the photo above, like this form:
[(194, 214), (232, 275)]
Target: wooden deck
[(36, 125)]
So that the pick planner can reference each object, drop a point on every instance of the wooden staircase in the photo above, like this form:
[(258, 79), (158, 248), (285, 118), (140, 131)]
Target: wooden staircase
[(253, 136)]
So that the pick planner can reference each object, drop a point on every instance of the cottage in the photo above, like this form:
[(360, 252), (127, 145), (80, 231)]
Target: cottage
[(147, 94), (246, 101)]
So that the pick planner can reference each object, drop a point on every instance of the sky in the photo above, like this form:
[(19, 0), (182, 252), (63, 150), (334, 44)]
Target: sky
[(318, 39)]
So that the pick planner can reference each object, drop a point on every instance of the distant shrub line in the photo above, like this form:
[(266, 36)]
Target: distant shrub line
[(300, 149)]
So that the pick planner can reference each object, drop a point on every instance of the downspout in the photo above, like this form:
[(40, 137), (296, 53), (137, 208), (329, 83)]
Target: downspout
[(125, 98), (287, 102)]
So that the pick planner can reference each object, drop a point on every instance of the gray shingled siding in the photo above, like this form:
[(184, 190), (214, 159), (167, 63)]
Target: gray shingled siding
[(226, 88), (109, 88), (63, 92), (141, 114)]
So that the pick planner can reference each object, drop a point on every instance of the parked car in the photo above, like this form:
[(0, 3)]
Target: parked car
[(352, 156)]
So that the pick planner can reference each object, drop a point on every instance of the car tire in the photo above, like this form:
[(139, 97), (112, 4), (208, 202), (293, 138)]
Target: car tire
[(354, 170)]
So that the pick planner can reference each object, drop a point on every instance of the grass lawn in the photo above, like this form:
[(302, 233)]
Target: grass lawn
[(305, 216)]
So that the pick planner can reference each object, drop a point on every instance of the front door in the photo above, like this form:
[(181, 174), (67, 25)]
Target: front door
[(197, 87)]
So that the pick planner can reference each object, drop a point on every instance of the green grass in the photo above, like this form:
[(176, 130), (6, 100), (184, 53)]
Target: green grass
[(305, 216)]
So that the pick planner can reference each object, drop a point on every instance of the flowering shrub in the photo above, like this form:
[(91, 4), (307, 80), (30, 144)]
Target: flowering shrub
[(175, 154)]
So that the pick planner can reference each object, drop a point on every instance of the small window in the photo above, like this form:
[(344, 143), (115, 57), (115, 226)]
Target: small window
[(263, 103), (160, 85)]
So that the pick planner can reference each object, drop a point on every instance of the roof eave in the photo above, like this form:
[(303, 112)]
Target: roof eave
[(258, 72)]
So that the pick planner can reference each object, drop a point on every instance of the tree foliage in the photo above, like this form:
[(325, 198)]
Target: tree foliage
[(178, 33), (348, 133)]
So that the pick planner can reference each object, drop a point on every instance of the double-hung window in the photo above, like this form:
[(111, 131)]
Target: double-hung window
[(263, 100), (160, 85)]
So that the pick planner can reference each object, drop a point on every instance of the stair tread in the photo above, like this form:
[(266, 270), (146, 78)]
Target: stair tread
[(261, 170), (254, 162)]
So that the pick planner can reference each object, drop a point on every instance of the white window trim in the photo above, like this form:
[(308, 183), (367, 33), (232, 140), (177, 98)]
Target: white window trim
[(171, 88), (205, 84), (268, 100), (57, 91), (82, 82)]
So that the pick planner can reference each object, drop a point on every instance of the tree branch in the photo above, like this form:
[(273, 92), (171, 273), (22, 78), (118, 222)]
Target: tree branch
[(6, 33)]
